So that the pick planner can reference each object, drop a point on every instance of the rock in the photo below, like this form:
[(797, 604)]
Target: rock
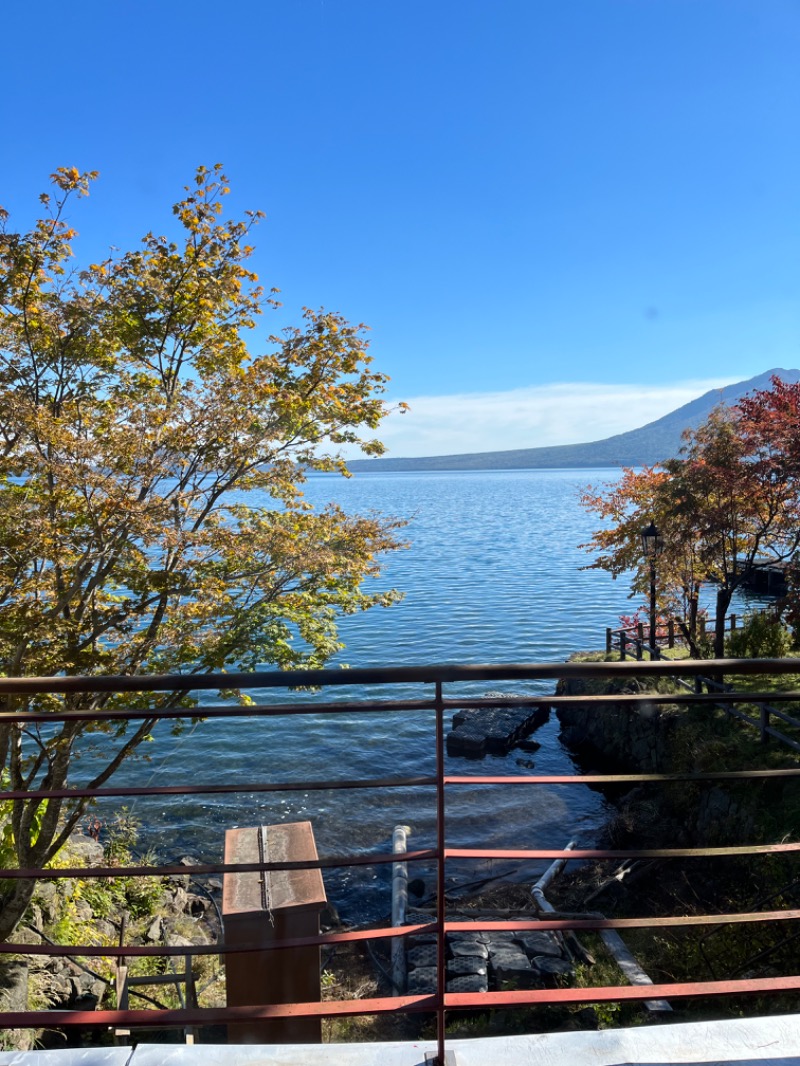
[(195, 905), (513, 968), (416, 888), (470, 947), (86, 1001), (26, 936), (467, 964), (106, 930), (422, 980), (85, 850), (13, 985), (154, 930), (183, 879), (553, 969), (98, 989), (177, 904), (477, 730), (421, 956), (466, 741), (329, 917), (422, 938), (175, 940), (83, 911), (534, 943), (529, 745), (45, 896), (500, 942), (468, 982)]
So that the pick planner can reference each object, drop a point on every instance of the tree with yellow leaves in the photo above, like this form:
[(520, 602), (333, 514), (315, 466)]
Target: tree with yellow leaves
[(151, 512)]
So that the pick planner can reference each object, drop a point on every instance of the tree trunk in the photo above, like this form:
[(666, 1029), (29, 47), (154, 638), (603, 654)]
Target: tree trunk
[(14, 905), (688, 627), (724, 597)]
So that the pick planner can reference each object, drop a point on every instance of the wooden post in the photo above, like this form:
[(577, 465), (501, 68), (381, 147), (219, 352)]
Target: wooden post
[(671, 633), (623, 636), (764, 722), (260, 908), (608, 640), (639, 639)]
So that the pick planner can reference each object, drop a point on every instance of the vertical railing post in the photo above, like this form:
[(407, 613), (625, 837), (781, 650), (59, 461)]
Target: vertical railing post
[(399, 907), (608, 640), (671, 633), (440, 879), (639, 639), (764, 722), (623, 636)]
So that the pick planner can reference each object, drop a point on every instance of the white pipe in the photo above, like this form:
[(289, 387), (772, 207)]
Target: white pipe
[(547, 877), (610, 937), (399, 905)]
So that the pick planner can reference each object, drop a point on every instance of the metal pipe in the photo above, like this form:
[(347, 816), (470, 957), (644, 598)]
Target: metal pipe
[(399, 906), (441, 906)]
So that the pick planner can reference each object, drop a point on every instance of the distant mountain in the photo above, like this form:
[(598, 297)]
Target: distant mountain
[(651, 443)]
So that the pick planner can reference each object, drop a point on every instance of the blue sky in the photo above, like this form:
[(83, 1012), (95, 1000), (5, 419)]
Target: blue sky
[(561, 219)]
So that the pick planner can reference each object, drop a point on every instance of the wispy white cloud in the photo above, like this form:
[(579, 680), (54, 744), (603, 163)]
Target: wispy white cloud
[(532, 417)]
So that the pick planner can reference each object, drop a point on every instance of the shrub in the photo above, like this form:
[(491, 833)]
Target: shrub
[(761, 637)]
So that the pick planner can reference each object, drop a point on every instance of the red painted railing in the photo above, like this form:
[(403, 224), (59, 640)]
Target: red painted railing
[(435, 703)]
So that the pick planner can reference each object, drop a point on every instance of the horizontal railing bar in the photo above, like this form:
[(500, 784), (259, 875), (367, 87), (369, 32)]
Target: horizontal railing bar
[(222, 711), (393, 1005), (196, 1016), (83, 872), (782, 737), (288, 710), (710, 699), (379, 859), (442, 672), (374, 783), (618, 853), (770, 730), (736, 713), (390, 932), (644, 922), (784, 717), (611, 994), (201, 790), (611, 779), (151, 950)]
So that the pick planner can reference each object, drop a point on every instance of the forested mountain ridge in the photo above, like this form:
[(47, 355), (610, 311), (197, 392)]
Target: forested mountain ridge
[(638, 447)]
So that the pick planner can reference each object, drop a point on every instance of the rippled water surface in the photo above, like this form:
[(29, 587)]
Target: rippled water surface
[(492, 574)]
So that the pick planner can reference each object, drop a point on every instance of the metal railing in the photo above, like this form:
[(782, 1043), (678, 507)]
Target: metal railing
[(433, 702), (634, 641)]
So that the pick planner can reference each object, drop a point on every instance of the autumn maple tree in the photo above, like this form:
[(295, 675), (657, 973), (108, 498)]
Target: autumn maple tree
[(728, 503), (151, 467)]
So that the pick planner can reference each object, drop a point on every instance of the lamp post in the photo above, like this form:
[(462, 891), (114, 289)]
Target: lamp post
[(652, 546)]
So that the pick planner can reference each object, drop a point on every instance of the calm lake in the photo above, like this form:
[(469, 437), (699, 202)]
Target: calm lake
[(492, 574)]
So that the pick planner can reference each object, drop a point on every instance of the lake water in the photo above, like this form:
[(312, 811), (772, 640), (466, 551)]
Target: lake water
[(492, 574)]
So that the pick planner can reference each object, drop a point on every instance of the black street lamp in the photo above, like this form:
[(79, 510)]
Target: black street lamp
[(652, 546)]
